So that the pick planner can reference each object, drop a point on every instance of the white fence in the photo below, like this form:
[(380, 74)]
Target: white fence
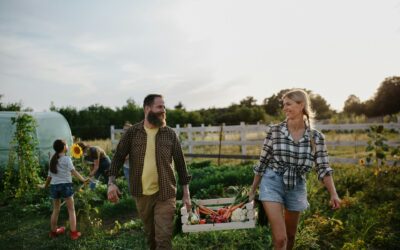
[(220, 137)]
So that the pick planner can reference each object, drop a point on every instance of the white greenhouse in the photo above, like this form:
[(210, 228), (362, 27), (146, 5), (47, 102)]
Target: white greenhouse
[(50, 126)]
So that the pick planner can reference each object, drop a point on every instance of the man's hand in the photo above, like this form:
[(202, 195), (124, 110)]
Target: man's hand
[(187, 202), (113, 193), (41, 186), (186, 198)]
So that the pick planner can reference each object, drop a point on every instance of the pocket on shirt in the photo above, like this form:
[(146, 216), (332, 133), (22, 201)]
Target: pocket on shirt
[(166, 148)]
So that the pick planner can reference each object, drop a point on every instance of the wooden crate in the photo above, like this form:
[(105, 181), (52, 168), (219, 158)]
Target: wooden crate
[(215, 204)]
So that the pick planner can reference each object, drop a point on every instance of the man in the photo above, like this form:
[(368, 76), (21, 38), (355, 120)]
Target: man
[(151, 146)]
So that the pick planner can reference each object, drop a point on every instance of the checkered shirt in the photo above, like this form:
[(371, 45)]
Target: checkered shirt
[(291, 159), (168, 148)]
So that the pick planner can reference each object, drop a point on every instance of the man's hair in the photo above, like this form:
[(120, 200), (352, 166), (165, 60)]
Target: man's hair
[(149, 100)]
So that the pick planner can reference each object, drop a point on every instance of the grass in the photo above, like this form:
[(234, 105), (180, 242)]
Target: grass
[(29, 230)]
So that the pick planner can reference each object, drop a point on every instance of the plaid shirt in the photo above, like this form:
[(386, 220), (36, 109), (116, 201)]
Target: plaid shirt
[(292, 159), (133, 143)]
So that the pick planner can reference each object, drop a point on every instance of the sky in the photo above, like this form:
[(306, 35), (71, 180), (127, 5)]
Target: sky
[(208, 53)]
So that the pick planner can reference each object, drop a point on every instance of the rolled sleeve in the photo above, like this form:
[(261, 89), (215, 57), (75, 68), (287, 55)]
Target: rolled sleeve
[(180, 164), (266, 154), (321, 157)]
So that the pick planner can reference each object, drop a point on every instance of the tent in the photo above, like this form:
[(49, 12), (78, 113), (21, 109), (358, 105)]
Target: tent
[(50, 126)]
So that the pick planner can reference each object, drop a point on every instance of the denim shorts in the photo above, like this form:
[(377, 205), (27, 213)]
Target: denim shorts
[(62, 190), (273, 189)]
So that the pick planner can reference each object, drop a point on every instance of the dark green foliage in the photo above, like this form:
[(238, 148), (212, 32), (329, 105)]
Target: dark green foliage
[(257, 238), (369, 217), (212, 181), (377, 145), (22, 172)]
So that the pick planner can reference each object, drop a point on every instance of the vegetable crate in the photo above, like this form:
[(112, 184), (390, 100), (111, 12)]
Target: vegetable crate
[(215, 204)]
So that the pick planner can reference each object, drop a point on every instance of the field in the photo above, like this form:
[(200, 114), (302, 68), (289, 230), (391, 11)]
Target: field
[(369, 219)]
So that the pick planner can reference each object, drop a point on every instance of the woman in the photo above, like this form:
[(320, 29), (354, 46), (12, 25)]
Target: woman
[(101, 162), (288, 153)]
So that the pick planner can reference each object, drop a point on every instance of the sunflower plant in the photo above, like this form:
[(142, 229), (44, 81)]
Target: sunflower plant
[(76, 151), (78, 159)]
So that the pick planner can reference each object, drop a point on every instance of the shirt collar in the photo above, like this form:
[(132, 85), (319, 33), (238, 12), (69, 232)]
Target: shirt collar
[(284, 129), (141, 127)]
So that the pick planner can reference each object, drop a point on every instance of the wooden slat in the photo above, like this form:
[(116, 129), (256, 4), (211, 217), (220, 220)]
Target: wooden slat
[(218, 201), (218, 226)]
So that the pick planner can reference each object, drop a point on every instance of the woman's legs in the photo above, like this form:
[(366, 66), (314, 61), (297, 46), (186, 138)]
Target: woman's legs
[(274, 212), (71, 213), (291, 222), (54, 215)]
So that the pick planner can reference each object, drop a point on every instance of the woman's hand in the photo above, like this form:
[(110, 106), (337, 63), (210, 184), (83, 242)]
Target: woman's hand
[(335, 201), (252, 195)]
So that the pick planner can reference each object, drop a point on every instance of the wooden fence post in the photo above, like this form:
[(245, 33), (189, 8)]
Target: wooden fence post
[(220, 143), (243, 137), (177, 130), (190, 138), (202, 132), (112, 130)]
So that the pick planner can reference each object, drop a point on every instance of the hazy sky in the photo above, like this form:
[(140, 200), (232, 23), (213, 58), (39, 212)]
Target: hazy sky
[(202, 53)]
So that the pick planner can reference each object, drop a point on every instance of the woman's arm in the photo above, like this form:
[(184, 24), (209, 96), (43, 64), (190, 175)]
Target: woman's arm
[(330, 186), (95, 167), (254, 186)]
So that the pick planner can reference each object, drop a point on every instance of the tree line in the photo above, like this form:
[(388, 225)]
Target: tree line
[(94, 121)]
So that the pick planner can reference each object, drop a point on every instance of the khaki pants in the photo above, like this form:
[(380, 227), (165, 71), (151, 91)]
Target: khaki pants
[(158, 220)]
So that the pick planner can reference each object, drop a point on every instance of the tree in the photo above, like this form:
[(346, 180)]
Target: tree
[(320, 106), (386, 99), (353, 105), (273, 105), (179, 106), (249, 102), (16, 106)]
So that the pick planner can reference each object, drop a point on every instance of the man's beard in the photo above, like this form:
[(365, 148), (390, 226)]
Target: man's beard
[(156, 119)]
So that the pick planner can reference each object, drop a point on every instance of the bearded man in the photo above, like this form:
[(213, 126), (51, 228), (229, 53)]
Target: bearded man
[(151, 146)]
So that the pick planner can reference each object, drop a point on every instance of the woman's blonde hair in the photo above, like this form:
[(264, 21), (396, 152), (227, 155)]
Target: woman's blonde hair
[(300, 96)]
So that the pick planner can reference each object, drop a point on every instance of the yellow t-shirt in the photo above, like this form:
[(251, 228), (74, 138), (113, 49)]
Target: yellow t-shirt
[(150, 174)]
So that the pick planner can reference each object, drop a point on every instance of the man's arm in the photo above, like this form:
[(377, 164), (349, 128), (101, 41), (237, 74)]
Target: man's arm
[(116, 163), (184, 177)]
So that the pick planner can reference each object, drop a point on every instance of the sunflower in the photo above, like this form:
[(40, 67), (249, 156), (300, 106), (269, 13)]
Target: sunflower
[(76, 151)]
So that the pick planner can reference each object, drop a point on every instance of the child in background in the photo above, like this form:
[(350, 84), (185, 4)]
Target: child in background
[(60, 181)]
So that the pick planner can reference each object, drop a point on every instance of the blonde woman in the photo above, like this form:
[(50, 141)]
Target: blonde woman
[(290, 150)]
